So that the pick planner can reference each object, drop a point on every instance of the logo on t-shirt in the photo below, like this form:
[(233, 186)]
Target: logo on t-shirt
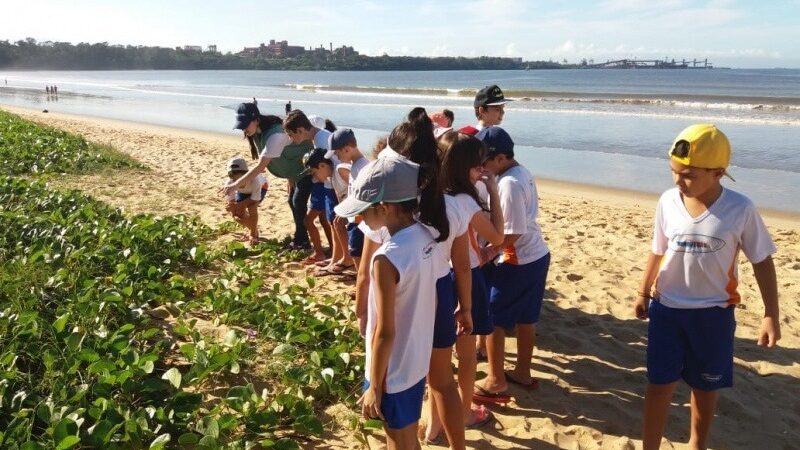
[(695, 243), (427, 251)]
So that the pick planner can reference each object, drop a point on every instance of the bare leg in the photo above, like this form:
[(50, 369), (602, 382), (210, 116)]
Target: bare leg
[(403, 438), (339, 227), (481, 347), (656, 412), (496, 349), (313, 234), (252, 211), (704, 403), (467, 367), (326, 228), (444, 394), (526, 338)]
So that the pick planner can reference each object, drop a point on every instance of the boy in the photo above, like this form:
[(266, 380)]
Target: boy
[(299, 129), (344, 147), (518, 279), (317, 211), (489, 107), (689, 287), (243, 202)]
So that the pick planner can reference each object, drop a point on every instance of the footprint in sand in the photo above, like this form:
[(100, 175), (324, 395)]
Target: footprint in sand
[(574, 277)]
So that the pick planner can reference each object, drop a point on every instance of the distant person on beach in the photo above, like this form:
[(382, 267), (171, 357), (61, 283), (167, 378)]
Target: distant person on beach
[(288, 107), (47, 89), (276, 153), (688, 290), (55, 90), (243, 202), (519, 276), (402, 297), (489, 107)]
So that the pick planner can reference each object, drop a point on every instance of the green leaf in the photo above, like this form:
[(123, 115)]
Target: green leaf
[(60, 323), (68, 442), (308, 424), (373, 424), (160, 442), (208, 426), (327, 375), (148, 366), (173, 376), (283, 349), (30, 445), (189, 439)]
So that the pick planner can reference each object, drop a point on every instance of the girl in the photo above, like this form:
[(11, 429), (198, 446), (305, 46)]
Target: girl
[(401, 305)]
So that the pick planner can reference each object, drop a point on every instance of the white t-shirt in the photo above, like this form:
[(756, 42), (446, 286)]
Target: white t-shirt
[(275, 145), (355, 168), (412, 252), (337, 182), (520, 204), (699, 268), (253, 188), (378, 236), (469, 207), (323, 140), (458, 223)]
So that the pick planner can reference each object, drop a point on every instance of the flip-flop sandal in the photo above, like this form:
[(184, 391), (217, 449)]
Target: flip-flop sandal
[(324, 272), (324, 263), (340, 268), (482, 417), (482, 396), (309, 260), (480, 357), (532, 386)]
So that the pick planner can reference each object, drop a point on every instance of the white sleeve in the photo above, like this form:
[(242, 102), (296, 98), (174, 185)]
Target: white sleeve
[(255, 188), (275, 145), (660, 241), (757, 244), (515, 216)]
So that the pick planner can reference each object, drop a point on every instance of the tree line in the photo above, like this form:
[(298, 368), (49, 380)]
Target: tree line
[(31, 55)]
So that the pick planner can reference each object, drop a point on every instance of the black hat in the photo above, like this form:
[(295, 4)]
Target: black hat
[(246, 113), (490, 96), (313, 158)]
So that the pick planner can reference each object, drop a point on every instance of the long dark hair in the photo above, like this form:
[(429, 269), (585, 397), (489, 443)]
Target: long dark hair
[(414, 139), (460, 153), (264, 124)]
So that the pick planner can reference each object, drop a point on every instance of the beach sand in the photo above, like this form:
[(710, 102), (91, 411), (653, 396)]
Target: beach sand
[(591, 350)]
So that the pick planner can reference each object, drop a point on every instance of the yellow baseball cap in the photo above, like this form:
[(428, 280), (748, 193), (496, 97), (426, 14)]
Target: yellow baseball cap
[(702, 145)]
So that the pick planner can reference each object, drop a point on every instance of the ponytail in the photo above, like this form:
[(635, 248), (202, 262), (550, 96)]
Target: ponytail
[(264, 124)]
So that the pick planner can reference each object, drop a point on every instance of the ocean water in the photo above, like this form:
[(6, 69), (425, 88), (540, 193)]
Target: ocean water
[(602, 127)]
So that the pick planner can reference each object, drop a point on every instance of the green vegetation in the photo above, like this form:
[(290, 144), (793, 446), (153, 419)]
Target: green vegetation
[(86, 360), (28, 54)]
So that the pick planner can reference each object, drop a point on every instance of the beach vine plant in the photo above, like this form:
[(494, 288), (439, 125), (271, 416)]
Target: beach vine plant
[(84, 362)]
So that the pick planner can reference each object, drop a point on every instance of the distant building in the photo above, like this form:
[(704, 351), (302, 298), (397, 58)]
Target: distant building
[(275, 49), (192, 48), (344, 51), (212, 48)]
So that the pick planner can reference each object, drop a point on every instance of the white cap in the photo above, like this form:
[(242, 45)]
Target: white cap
[(389, 180)]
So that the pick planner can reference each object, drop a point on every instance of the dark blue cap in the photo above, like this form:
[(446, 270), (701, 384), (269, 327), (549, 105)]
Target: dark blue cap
[(342, 137), (246, 113), (497, 141)]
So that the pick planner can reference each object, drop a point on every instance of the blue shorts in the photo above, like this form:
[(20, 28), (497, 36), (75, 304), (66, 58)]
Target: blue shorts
[(402, 408), (330, 202), (444, 324), (481, 319), (317, 199), (693, 344), (355, 240), (240, 197), (517, 292)]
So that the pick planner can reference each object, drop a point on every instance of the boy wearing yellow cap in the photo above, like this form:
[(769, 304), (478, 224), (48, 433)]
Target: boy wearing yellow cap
[(689, 287)]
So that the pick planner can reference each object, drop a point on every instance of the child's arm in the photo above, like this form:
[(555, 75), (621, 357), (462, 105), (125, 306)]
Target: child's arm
[(645, 287), (459, 255), (386, 278), (246, 178), (344, 173), (768, 285)]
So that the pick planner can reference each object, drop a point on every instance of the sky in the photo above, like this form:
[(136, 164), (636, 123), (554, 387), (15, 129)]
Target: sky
[(730, 33)]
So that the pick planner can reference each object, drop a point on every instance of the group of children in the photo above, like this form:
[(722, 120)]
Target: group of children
[(442, 228)]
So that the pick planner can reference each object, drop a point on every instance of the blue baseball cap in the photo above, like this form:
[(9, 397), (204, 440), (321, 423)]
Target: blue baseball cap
[(497, 142), (246, 113), (339, 139)]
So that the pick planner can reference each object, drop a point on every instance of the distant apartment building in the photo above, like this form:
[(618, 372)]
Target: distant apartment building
[(212, 48), (192, 48), (279, 49)]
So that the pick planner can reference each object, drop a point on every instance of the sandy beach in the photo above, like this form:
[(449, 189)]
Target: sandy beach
[(591, 350)]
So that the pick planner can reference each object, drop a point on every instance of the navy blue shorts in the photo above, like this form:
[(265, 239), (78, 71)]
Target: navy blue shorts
[(693, 344), (330, 202), (481, 318), (317, 199), (402, 408), (517, 292), (355, 240), (240, 197), (444, 324)]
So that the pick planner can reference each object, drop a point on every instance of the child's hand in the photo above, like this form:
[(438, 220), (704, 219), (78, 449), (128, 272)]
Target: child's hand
[(463, 322), (770, 332), (371, 404), (640, 307), (489, 180), (226, 190)]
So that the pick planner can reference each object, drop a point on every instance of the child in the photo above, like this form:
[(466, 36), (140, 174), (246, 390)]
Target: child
[(344, 147), (462, 158), (489, 107), (243, 202), (402, 297), (518, 280), (689, 286), (317, 211)]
